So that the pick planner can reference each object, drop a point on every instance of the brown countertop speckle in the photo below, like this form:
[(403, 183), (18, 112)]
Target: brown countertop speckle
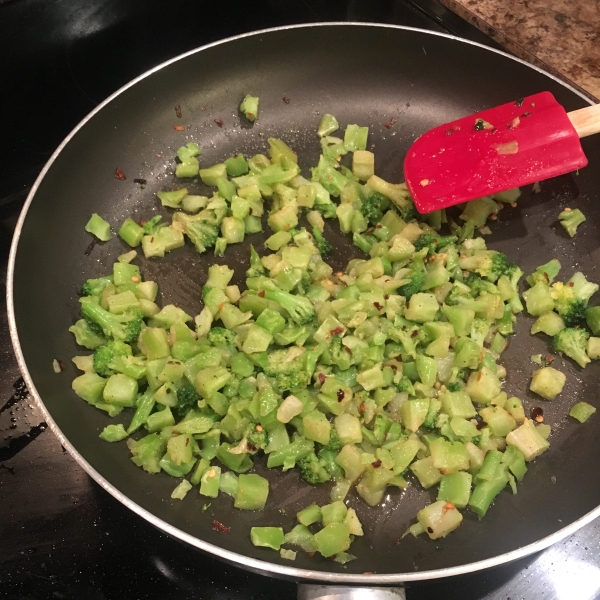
[(562, 37)]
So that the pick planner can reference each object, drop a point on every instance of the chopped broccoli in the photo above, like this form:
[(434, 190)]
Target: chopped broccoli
[(416, 282), (299, 307), (454, 386), (405, 385), (313, 469), (104, 356), (489, 264), (187, 398), (93, 326), (256, 266), (330, 465), (571, 220), (95, 287), (339, 354), (219, 336), (201, 232), (374, 207), (568, 304), (335, 444), (452, 299), (327, 209), (433, 242), (322, 244), (572, 342), (257, 438), (478, 285), (125, 327), (287, 367)]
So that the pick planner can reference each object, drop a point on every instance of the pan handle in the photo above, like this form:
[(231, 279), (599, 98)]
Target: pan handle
[(330, 592)]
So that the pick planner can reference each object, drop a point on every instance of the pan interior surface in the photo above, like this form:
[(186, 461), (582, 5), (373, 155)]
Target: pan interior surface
[(362, 74)]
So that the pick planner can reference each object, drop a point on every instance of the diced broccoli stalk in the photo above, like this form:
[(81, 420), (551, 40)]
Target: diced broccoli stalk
[(478, 211), (571, 219), (547, 382), (549, 323), (528, 440), (98, 227), (582, 411), (249, 106), (439, 519), (131, 233)]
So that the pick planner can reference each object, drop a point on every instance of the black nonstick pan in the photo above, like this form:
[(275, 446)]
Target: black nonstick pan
[(398, 81)]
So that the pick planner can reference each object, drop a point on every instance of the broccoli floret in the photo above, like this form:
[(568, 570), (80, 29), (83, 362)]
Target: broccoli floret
[(187, 398), (201, 232), (95, 287), (219, 336), (152, 226), (572, 342), (454, 386), (257, 438), (104, 356), (452, 299), (571, 220), (327, 209), (313, 469), (335, 444), (417, 279), (328, 456), (93, 326), (407, 212), (323, 245), (405, 385), (339, 354), (299, 308), (287, 367), (125, 327), (479, 285), (568, 304), (256, 266), (491, 264), (374, 207), (433, 242)]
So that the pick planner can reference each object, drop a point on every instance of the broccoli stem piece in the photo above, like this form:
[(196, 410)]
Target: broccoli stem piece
[(99, 227), (571, 220), (249, 107)]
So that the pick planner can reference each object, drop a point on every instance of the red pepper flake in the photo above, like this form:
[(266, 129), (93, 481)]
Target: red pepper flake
[(347, 350), (120, 175), (187, 441), (219, 122), (286, 99), (430, 530), (376, 464), (377, 306), (386, 297), (322, 378), (340, 395), (178, 111), (251, 447), (218, 526), (336, 331), (525, 114), (142, 222), (388, 124), (250, 211), (415, 333), (89, 249), (140, 181), (61, 365), (178, 127), (261, 293), (571, 284), (449, 506), (536, 413), (549, 358), (362, 407)]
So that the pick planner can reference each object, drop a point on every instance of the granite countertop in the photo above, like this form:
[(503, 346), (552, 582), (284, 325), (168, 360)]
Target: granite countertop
[(562, 37)]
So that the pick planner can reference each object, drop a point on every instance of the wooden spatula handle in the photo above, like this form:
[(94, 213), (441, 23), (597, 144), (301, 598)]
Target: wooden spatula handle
[(586, 120)]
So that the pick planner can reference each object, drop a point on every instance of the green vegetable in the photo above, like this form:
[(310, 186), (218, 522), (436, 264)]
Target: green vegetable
[(268, 537), (249, 107), (572, 342), (570, 220), (99, 227), (547, 382), (582, 411)]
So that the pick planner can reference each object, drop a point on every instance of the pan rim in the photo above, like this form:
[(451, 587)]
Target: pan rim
[(238, 559)]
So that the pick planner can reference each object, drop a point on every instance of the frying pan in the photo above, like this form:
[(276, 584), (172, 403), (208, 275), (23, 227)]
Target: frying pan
[(374, 75)]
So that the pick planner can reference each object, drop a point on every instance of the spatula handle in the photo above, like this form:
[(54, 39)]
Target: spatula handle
[(586, 120)]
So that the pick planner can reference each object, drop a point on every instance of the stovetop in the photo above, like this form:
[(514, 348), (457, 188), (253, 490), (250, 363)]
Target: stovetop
[(61, 535)]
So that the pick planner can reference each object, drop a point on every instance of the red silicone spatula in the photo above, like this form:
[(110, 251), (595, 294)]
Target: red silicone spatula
[(497, 149)]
